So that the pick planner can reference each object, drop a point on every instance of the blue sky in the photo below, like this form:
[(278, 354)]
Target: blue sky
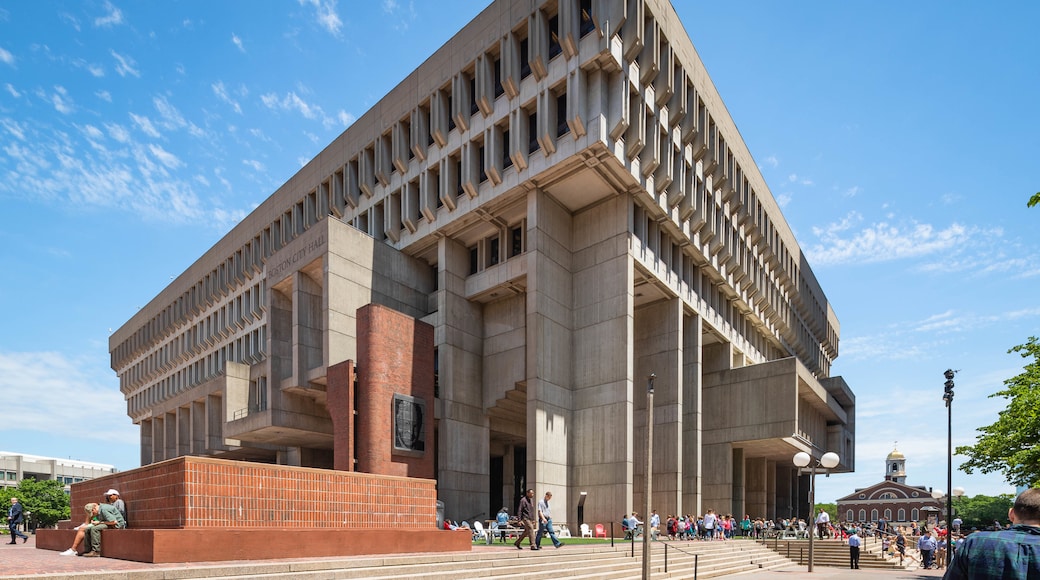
[(901, 140)]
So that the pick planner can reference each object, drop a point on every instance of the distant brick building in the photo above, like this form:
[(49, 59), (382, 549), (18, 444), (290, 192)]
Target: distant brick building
[(892, 498)]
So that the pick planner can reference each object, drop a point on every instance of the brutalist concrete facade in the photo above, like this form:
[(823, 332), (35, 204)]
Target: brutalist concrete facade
[(560, 192)]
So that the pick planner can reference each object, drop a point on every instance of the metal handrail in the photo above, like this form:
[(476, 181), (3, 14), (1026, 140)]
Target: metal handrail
[(696, 558)]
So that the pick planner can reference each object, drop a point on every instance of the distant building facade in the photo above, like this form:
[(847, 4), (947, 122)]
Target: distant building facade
[(561, 194), (892, 499), (18, 466)]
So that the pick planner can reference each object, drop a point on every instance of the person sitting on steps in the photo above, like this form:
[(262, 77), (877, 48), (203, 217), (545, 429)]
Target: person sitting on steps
[(99, 517)]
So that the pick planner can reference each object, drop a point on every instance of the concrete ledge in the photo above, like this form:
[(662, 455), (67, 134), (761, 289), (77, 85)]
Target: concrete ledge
[(212, 545)]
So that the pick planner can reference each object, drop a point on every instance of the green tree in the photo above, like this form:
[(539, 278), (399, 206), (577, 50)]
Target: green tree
[(980, 511), (1011, 445), (45, 500), (1034, 200)]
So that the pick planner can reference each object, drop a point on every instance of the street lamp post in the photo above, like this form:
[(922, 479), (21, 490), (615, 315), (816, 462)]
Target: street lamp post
[(649, 472), (948, 397), (803, 459)]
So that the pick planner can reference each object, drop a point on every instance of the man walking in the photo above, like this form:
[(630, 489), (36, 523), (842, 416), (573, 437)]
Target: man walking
[(854, 544), (927, 547), (823, 521), (545, 525), (14, 518), (526, 514), (1010, 553)]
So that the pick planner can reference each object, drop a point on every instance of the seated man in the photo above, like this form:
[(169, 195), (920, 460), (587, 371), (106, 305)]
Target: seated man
[(99, 517)]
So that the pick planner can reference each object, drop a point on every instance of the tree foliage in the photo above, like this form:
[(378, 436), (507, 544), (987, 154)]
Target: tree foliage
[(1011, 445), (46, 500), (981, 511), (1034, 200)]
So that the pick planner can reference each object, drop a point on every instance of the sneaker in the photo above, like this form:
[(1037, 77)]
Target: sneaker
[(91, 555), (69, 552)]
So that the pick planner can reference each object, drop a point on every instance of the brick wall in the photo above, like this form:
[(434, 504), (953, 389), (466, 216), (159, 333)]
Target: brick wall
[(395, 357), (340, 402), (198, 492)]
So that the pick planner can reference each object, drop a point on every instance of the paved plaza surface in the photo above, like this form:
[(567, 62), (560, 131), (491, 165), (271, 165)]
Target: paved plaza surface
[(21, 560)]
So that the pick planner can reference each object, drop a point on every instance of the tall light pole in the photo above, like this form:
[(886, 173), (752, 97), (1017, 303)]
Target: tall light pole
[(803, 459), (948, 397), (649, 472)]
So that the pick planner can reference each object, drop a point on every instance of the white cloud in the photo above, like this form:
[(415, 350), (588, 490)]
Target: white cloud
[(6, 57), (405, 16), (772, 161), (104, 96), (839, 243), (10, 89), (145, 125), (165, 157), (124, 65), (61, 101), (96, 70), (171, 117), (13, 128), (49, 392), (851, 192), (93, 132), (326, 14), (254, 165), (114, 17), (222, 94), (118, 132), (293, 102), (237, 42), (783, 199)]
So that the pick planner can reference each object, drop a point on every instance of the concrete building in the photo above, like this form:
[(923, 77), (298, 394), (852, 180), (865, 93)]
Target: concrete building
[(561, 194), (14, 467)]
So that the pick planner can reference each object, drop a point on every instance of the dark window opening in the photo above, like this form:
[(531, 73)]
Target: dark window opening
[(525, 60), (585, 7), (507, 159), (473, 262), (483, 170), (451, 115), (516, 241), (499, 89), (532, 128), (458, 177), (493, 247), (561, 115), (472, 97), (554, 37)]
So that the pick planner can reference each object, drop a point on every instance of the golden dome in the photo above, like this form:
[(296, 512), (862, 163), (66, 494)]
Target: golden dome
[(896, 454)]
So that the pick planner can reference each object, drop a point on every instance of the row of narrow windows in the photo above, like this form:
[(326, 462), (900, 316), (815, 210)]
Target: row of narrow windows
[(850, 515)]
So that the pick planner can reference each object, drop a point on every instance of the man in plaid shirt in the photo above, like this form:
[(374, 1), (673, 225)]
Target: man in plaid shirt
[(1010, 554)]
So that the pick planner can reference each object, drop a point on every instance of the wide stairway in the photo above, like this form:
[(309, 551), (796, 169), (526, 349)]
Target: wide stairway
[(578, 562), (832, 553)]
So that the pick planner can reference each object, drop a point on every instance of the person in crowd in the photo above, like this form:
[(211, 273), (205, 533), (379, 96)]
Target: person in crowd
[(502, 521), (526, 512), (926, 545), (711, 521), (99, 517), (655, 524), (15, 516), (1012, 553), (112, 497), (545, 523), (823, 521), (854, 545)]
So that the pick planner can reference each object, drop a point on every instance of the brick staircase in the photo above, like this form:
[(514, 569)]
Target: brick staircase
[(832, 553), (578, 562)]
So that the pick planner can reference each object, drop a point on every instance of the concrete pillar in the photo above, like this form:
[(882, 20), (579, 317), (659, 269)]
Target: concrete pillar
[(718, 477), (659, 341), (737, 507), (756, 487), (600, 304), (146, 442), (463, 455), (692, 414)]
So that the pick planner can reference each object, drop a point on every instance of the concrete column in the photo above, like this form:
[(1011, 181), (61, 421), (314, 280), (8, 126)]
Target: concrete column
[(183, 431), (551, 352), (718, 477), (602, 359), (198, 428), (146, 442), (737, 507), (784, 485), (755, 487), (463, 455), (658, 342), (692, 406)]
